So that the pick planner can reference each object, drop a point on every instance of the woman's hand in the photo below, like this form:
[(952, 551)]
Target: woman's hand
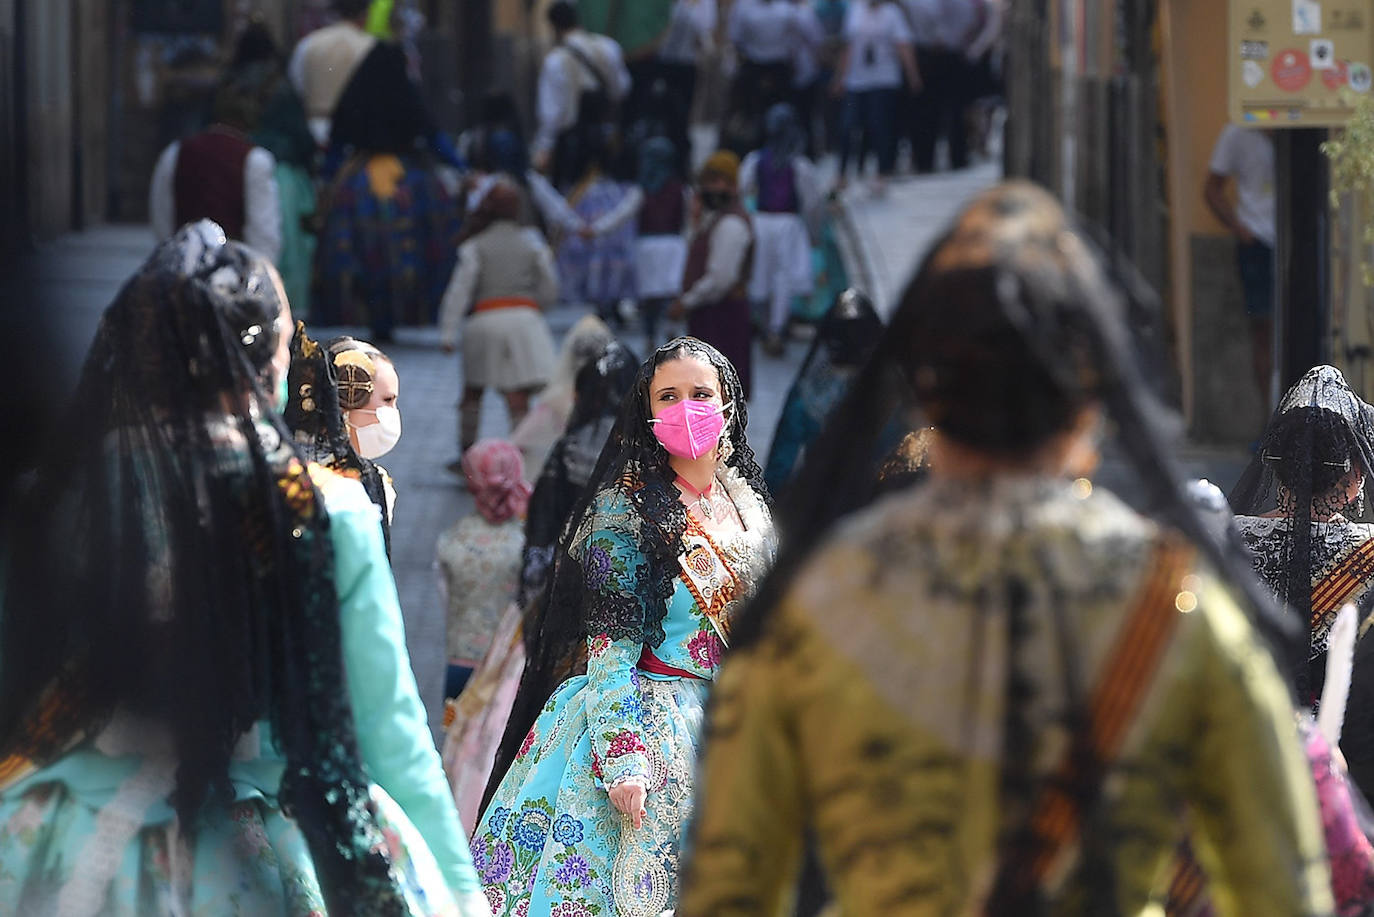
[(629, 798)]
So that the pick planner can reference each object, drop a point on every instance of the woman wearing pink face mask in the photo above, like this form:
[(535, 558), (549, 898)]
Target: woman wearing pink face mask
[(596, 769)]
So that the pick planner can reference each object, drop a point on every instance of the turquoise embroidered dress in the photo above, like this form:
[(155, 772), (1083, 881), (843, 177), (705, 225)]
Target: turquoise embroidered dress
[(550, 842), (93, 832)]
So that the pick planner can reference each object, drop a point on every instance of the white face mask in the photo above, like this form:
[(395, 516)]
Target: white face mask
[(378, 439)]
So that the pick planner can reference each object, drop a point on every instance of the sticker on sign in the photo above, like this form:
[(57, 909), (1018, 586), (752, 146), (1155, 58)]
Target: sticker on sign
[(1360, 77), (1307, 17), (1322, 54)]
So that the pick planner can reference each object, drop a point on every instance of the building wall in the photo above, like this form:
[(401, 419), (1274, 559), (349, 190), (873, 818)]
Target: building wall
[(1220, 399)]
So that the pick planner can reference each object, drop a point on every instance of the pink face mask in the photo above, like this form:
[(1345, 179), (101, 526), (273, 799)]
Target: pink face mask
[(690, 429)]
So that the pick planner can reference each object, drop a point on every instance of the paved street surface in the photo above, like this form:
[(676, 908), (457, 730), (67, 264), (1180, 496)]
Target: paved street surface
[(83, 272)]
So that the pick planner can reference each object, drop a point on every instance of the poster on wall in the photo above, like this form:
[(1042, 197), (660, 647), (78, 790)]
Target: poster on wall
[(1299, 63)]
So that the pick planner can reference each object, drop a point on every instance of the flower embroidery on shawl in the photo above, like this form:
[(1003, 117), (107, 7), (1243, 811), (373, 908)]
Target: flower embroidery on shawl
[(598, 645), (531, 826), (493, 860), (571, 909), (496, 897), (705, 649), (624, 742), (567, 830), (526, 745), (597, 565), (573, 872)]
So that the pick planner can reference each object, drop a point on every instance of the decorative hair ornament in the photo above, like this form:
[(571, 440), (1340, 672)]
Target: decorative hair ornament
[(356, 371)]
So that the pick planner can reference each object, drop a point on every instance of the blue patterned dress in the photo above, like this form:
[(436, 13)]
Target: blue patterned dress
[(550, 842)]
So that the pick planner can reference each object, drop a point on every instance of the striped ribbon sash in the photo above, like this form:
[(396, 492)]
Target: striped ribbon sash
[(1128, 672), (1344, 580)]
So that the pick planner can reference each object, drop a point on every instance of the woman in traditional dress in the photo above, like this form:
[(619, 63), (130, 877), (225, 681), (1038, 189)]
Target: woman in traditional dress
[(207, 705), (673, 533), (1296, 504), (479, 714), (390, 227), (845, 338), (323, 429), (1000, 691)]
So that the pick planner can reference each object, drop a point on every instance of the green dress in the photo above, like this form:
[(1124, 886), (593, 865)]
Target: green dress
[(93, 832)]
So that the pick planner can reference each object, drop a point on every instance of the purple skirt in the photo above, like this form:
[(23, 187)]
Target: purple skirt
[(725, 325)]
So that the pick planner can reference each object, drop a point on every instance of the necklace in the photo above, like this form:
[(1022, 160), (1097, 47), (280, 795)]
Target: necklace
[(703, 496)]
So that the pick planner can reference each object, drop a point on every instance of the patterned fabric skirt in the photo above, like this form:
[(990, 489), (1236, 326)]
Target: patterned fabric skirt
[(254, 861), (551, 843), (479, 717), (388, 246)]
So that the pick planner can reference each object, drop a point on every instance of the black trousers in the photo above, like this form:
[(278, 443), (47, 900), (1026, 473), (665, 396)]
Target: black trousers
[(938, 110)]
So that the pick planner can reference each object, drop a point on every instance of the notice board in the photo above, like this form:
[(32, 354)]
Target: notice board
[(1297, 63)]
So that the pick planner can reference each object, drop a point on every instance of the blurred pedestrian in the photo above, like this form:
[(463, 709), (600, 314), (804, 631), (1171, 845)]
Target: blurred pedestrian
[(479, 557), (390, 226), (1244, 157), (689, 39), (788, 197), (720, 257), (594, 230), (321, 427), (845, 338), (661, 237), (764, 35), (551, 408), (945, 32), (877, 56), (1014, 700), (219, 174), (275, 119), (832, 15), (501, 286), (324, 61), (581, 84), (807, 48), (207, 704)]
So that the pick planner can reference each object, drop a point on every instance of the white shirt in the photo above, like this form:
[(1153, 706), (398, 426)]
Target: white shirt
[(1247, 156), (730, 237), (690, 25), (764, 32), (944, 23), (873, 35), (261, 202), (564, 78)]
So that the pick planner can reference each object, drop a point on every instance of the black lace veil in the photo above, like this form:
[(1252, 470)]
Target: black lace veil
[(1320, 433), (598, 390), (177, 563), (635, 463)]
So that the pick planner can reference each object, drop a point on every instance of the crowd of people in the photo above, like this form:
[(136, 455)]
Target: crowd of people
[(945, 671), (916, 661)]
